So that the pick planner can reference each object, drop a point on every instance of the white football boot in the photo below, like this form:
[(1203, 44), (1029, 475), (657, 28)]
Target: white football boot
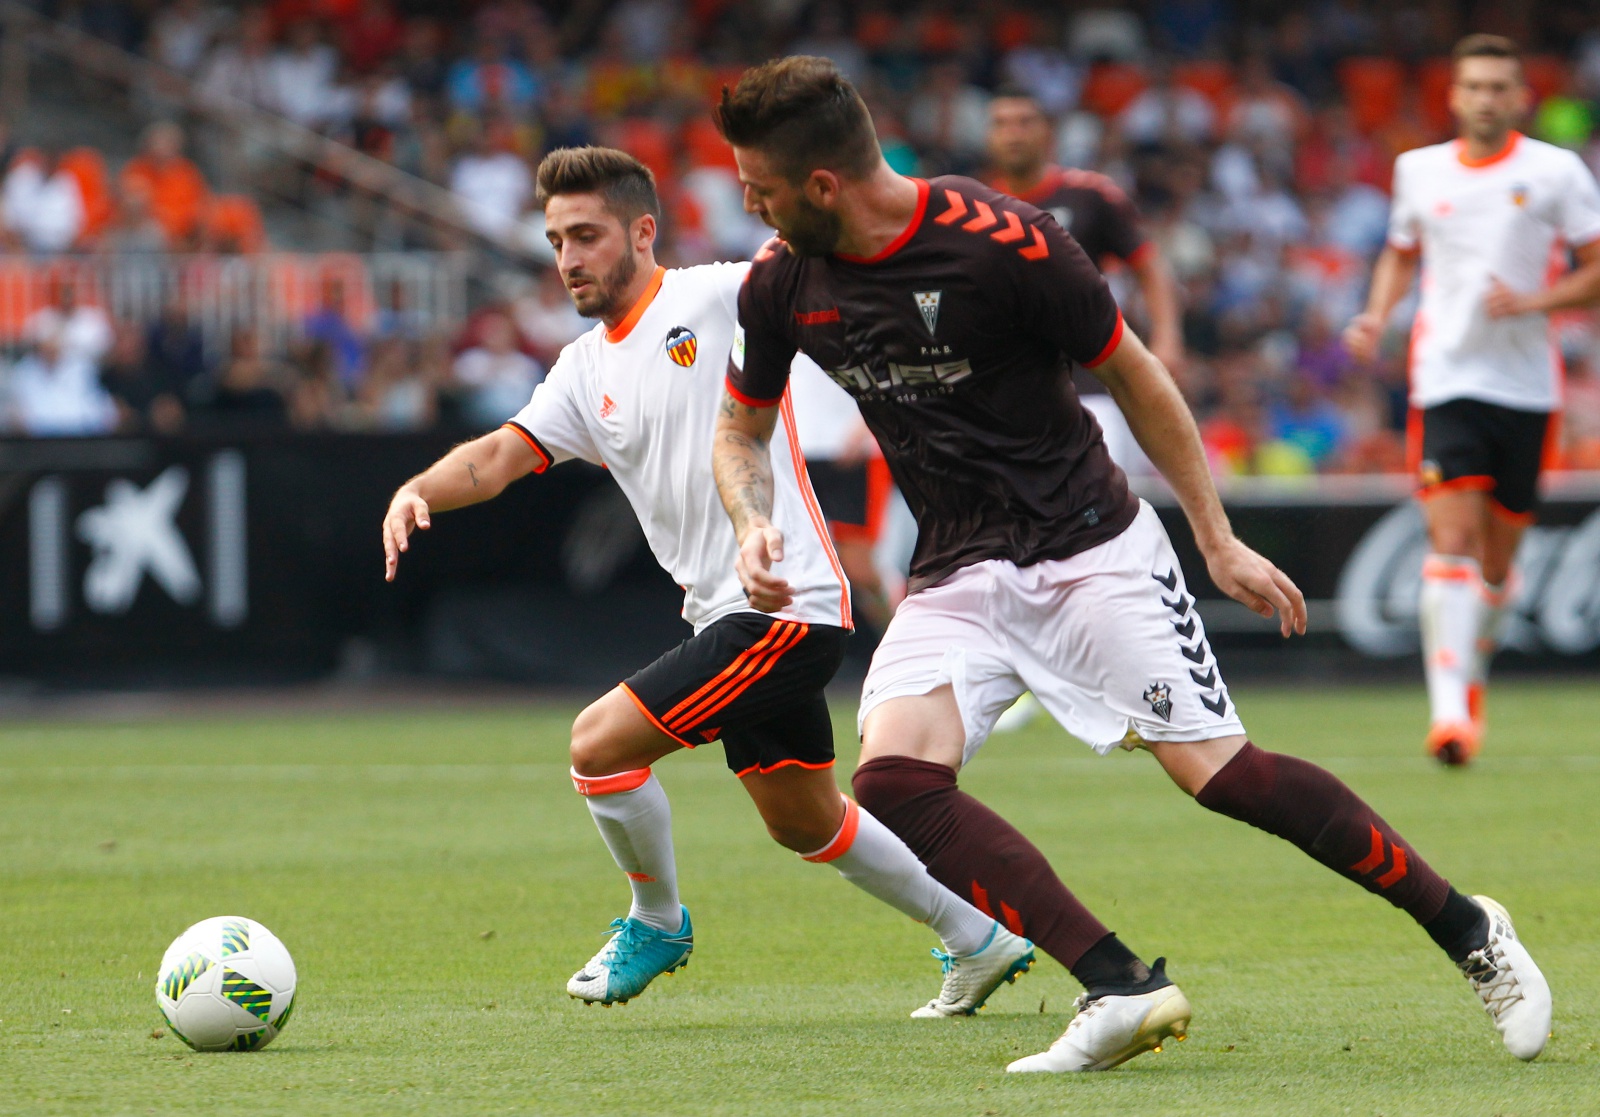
[(1109, 1030), (969, 979), (1513, 991)]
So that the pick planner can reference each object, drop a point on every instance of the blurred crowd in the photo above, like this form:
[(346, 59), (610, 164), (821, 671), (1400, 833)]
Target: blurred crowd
[(1257, 141)]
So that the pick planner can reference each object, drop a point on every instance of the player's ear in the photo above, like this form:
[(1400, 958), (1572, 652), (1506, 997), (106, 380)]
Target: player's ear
[(644, 231), (821, 188)]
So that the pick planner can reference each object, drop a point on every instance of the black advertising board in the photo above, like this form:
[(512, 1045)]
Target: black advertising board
[(236, 560)]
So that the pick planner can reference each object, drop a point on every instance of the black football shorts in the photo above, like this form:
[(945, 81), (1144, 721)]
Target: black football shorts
[(753, 681), (1472, 445)]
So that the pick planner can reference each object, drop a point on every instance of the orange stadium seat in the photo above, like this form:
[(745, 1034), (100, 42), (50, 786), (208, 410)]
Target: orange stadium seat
[(1433, 93), (1212, 79), (1373, 88), (650, 142), (1013, 29), (1112, 86), (705, 144), (1547, 75), (232, 223)]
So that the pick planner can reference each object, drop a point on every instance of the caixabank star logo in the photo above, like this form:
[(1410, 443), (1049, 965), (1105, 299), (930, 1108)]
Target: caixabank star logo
[(681, 346)]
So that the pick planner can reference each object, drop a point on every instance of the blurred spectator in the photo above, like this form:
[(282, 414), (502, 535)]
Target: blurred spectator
[(1266, 112), (301, 74), (950, 116), (420, 62), (1042, 68), (54, 393), (330, 325), (181, 34), (496, 376), (145, 402), (314, 392), (370, 34), (828, 37), (241, 67), (175, 353), (41, 204), (1167, 113), (78, 329), (400, 392), (160, 180), (1307, 421), (492, 180), (490, 80), (247, 394), (546, 318)]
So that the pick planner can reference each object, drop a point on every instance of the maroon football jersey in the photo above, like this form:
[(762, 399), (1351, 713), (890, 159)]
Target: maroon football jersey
[(956, 342), (1094, 209)]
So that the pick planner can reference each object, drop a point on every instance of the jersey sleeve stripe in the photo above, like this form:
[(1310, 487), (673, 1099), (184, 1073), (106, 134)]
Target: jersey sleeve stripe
[(1110, 346), (546, 459), (818, 521), (750, 401), (1139, 255)]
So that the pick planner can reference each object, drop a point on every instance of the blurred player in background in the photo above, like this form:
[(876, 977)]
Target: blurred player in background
[(852, 483), (639, 394), (950, 311), (1483, 216)]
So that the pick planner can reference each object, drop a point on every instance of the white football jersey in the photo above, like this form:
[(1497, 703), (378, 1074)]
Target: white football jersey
[(1508, 217), (642, 400)]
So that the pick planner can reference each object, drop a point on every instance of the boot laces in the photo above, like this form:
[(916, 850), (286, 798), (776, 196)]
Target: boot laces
[(1492, 979)]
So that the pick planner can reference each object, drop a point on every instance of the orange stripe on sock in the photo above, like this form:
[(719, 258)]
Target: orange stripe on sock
[(1372, 859), (727, 672), (980, 899), (843, 840), (611, 785), (789, 635), (1396, 873), (1437, 568)]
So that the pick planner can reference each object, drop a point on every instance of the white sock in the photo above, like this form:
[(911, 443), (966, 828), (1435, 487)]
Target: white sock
[(633, 816), (871, 857), (1451, 605), (1491, 619)]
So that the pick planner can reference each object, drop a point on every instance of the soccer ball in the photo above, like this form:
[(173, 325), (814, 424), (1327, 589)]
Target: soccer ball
[(226, 984)]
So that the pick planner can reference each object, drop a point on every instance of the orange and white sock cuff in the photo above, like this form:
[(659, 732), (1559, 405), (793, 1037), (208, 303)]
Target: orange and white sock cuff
[(843, 840), (612, 784), (1451, 568)]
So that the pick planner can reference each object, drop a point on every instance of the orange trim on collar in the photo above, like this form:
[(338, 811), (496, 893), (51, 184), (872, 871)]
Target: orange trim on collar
[(625, 327), (1049, 180), (1488, 160), (906, 234)]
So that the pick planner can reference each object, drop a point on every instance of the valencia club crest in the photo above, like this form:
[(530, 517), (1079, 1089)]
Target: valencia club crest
[(681, 346)]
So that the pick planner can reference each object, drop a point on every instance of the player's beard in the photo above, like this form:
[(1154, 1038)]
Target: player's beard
[(605, 296), (814, 230)]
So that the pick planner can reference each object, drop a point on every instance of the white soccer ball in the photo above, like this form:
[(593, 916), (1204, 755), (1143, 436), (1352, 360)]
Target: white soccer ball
[(226, 984)]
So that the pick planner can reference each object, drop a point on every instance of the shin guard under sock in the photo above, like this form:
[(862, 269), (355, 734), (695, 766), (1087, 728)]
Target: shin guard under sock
[(1315, 811), (977, 854)]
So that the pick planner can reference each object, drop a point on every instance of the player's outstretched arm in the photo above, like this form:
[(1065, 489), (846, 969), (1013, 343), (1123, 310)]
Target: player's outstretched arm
[(1391, 279), (474, 471), (1166, 431), (741, 460)]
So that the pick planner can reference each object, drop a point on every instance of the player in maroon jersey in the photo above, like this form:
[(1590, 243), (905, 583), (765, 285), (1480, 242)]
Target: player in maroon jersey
[(951, 312)]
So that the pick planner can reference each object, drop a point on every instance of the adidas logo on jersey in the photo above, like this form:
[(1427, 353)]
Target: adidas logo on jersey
[(607, 406)]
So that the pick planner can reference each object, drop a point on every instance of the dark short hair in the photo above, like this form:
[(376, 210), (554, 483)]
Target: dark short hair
[(1486, 46), (625, 184), (804, 113)]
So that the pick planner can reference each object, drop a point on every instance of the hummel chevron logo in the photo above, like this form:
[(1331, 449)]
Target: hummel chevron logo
[(1180, 606), (1208, 682), (1219, 707), (1186, 629), (1376, 857), (984, 218), (1169, 579), (1196, 654)]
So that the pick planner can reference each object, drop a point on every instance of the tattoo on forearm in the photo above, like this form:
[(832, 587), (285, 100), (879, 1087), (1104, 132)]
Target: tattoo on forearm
[(744, 477), (472, 471)]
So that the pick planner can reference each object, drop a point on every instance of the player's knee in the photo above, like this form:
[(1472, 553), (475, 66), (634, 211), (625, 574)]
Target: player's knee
[(798, 835), (1458, 539), (592, 746)]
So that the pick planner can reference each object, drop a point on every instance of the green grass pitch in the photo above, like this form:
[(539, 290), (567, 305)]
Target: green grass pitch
[(438, 881)]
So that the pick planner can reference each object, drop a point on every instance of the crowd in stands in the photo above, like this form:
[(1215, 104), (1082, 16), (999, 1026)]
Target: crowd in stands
[(1259, 148)]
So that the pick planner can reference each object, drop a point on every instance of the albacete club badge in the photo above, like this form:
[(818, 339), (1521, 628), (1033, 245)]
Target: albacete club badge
[(681, 346), (1159, 695), (928, 306)]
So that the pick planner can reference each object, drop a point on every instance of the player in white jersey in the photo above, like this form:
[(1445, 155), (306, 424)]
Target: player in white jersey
[(639, 394), (1485, 215)]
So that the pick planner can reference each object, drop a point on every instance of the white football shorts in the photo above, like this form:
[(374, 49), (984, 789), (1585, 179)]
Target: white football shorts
[(1109, 641)]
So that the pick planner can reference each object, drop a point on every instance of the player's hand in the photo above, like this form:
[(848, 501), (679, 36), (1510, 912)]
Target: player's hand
[(763, 546), (1502, 301), (407, 512), (1362, 335), (1258, 585)]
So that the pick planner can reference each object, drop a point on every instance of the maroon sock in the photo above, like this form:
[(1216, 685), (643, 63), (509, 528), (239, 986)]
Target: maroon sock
[(977, 854), (1312, 809)]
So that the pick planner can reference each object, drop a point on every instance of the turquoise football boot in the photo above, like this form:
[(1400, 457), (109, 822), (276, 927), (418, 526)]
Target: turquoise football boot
[(633, 958)]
